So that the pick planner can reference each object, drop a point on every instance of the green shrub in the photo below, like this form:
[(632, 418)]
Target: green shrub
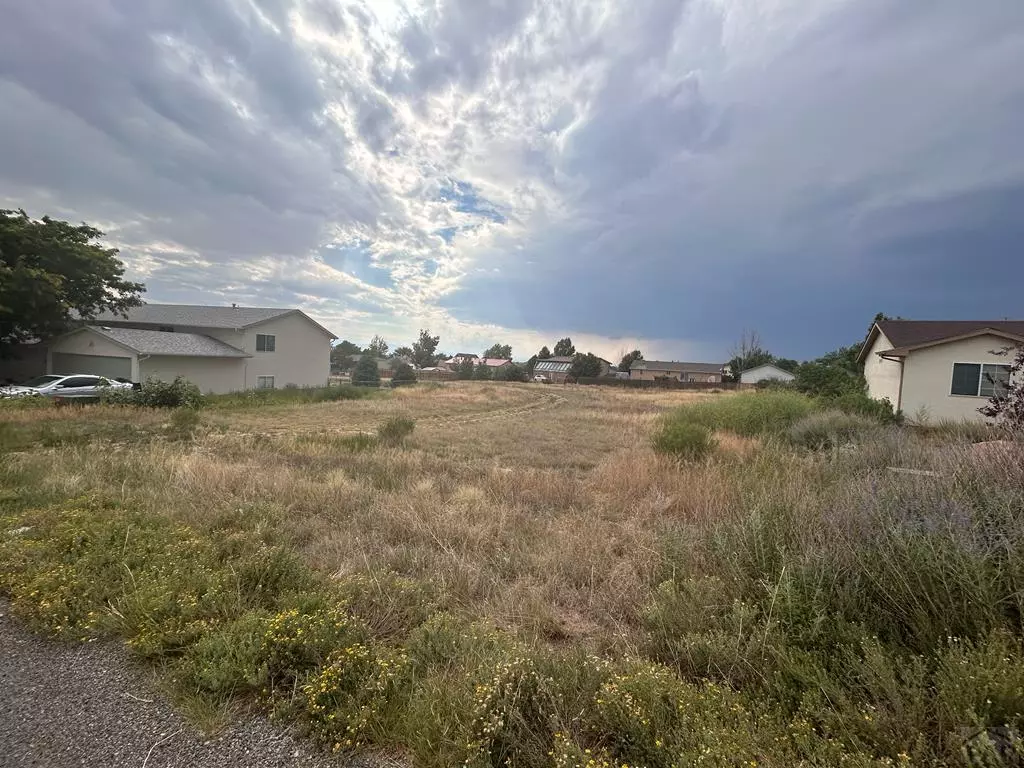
[(749, 413), (366, 373), (403, 374), (683, 440), (825, 380), (831, 429), (860, 404), (184, 422), (395, 430), (154, 393)]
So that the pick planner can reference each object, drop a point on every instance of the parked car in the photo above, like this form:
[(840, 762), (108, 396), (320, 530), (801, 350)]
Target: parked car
[(540, 379), (76, 386)]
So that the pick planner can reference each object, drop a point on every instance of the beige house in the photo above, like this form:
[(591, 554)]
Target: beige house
[(650, 370), (935, 370), (766, 372), (220, 349)]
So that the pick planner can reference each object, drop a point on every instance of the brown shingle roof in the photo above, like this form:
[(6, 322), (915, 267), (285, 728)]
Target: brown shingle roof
[(908, 333)]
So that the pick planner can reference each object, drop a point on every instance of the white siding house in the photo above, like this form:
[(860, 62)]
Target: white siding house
[(220, 349), (767, 372), (936, 370)]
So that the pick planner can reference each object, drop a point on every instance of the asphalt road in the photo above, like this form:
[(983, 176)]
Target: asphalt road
[(64, 705)]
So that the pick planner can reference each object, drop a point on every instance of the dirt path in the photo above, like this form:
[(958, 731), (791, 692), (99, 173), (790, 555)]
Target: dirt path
[(65, 705)]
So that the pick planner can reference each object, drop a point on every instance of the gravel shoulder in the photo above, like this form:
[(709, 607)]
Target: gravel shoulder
[(90, 704)]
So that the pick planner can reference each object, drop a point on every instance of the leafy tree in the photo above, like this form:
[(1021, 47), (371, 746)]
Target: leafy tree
[(787, 364), (586, 366), (366, 373), (511, 372), (378, 347), (499, 351), (1007, 404), (405, 352), (50, 271), (341, 355), (465, 369), (544, 353), (845, 358), (827, 380), (564, 348), (482, 373), (628, 360), (403, 374), (747, 353), (423, 349)]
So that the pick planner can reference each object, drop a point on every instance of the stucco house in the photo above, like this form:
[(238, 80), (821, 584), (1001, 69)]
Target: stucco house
[(220, 349), (939, 369), (649, 370), (766, 372)]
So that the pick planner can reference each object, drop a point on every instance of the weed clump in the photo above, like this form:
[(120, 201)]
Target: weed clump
[(395, 430), (683, 440)]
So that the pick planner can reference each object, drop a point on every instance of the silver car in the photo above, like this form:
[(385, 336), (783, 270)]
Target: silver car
[(72, 387)]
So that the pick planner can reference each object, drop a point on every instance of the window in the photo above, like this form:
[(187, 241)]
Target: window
[(166, 328), (265, 382), (79, 381), (978, 380), (265, 343)]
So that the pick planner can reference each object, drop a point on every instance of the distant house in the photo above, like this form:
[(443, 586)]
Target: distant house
[(939, 369), (650, 370), (766, 372), (554, 369), (456, 360), (220, 349), (493, 362)]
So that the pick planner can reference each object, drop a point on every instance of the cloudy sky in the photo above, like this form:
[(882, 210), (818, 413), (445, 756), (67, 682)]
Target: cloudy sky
[(665, 173)]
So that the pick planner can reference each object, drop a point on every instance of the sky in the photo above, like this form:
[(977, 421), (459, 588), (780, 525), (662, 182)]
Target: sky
[(661, 174)]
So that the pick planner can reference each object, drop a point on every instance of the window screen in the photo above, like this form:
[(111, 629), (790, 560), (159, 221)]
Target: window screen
[(264, 382), (966, 377), (994, 380), (265, 342)]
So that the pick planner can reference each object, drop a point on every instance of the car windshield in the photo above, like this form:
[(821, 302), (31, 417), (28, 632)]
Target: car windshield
[(41, 381)]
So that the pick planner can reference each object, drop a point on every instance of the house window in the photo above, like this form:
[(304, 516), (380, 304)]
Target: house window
[(978, 380), (265, 342), (265, 382)]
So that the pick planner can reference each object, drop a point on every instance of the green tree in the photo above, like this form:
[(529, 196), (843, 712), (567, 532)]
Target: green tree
[(499, 351), (378, 347), (482, 373), (403, 374), (341, 355), (564, 348), (586, 366), (511, 372), (423, 349), (825, 379), (465, 369), (787, 364), (544, 353), (365, 373), (405, 352), (52, 271), (628, 359)]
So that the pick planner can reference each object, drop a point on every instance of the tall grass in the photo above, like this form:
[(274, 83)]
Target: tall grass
[(749, 413), (770, 606), (290, 396)]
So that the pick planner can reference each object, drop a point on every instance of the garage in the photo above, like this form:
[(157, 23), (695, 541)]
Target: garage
[(66, 363)]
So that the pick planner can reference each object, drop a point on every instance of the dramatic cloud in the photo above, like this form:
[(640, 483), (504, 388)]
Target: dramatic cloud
[(657, 172)]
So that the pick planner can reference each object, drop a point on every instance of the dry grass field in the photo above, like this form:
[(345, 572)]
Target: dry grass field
[(522, 580), (537, 506)]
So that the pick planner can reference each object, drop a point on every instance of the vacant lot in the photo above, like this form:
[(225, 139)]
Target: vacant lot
[(522, 580)]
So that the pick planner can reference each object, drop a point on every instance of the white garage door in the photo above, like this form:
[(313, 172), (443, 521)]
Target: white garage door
[(95, 365)]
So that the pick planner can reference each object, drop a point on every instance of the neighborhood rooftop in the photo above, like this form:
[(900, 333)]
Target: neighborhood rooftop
[(200, 316), (165, 343), (661, 365), (905, 333)]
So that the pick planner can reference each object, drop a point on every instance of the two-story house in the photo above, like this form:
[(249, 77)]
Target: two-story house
[(220, 349)]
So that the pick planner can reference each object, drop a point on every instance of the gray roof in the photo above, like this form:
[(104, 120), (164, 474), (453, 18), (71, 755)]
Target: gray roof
[(166, 343), (197, 315), (660, 365), (553, 366)]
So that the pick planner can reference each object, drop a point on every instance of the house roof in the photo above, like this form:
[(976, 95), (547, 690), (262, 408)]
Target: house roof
[(202, 316), (661, 365), (907, 335), (167, 343), (495, 362), (553, 365), (767, 365)]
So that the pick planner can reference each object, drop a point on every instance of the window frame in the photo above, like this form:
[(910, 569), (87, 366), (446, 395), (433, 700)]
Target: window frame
[(273, 342), (981, 377), (260, 379)]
